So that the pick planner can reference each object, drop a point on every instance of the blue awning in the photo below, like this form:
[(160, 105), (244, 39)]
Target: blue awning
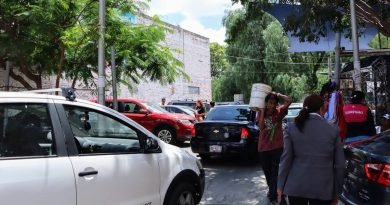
[(328, 43)]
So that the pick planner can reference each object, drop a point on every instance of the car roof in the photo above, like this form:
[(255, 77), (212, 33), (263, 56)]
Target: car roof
[(39, 96), (219, 106), (29, 95), (296, 105)]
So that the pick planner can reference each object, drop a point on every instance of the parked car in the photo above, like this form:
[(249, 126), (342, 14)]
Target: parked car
[(367, 179), (292, 113), (179, 109), (169, 127), (189, 103), (62, 151), (226, 129), (228, 103)]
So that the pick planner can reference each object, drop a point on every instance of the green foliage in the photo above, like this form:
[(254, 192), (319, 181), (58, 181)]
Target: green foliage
[(257, 52), (218, 59), (58, 36), (384, 42)]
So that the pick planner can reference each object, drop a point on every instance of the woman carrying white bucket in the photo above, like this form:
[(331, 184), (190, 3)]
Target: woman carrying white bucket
[(271, 139)]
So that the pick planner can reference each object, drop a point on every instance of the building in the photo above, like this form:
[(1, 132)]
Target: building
[(195, 55)]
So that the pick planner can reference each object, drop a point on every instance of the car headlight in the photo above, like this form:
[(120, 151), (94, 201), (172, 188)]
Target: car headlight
[(184, 122)]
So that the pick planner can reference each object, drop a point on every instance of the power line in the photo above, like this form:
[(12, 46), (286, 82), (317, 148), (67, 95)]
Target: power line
[(280, 62), (275, 53)]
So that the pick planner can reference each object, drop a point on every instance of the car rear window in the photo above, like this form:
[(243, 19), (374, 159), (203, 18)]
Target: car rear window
[(229, 113), (378, 146)]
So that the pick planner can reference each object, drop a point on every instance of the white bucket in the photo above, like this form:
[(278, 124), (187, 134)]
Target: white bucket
[(239, 98), (258, 94)]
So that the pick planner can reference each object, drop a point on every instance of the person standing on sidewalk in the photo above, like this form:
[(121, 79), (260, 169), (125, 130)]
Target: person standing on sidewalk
[(271, 139), (312, 165)]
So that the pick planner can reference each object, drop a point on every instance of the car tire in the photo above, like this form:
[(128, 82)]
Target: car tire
[(182, 194), (166, 134)]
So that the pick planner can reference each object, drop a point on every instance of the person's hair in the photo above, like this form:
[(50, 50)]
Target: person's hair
[(212, 103), (328, 87), (200, 102), (271, 96), (312, 103), (357, 97)]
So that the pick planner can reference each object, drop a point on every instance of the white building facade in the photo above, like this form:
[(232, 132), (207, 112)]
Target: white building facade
[(195, 56)]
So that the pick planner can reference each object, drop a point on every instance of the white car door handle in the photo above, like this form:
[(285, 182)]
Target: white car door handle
[(86, 173)]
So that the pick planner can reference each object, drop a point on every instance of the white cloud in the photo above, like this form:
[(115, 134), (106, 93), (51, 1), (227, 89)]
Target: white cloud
[(192, 11), (215, 35)]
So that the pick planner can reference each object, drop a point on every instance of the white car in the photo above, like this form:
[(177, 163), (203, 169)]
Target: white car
[(58, 150)]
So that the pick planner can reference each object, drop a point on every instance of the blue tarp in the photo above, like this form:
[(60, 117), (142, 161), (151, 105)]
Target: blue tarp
[(328, 43)]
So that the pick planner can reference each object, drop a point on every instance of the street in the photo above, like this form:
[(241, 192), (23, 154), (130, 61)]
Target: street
[(233, 181), (230, 180)]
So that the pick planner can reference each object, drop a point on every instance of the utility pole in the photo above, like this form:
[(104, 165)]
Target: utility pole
[(336, 77), (101, 60), (355, 44), (114, 80)]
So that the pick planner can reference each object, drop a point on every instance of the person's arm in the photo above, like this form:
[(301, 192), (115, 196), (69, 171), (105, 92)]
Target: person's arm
[(339, 167), (260, 120), (287, 100), (285, 160), (370, 121)]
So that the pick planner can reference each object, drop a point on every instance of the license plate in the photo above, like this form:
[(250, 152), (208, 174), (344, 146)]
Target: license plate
[(215, 148)]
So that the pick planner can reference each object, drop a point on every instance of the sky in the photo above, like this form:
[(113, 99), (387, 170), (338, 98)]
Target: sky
[(203, 17)]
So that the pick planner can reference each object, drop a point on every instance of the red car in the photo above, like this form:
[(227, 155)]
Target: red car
[(169, 127)]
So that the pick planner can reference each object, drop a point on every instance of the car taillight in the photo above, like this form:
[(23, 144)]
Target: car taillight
[(193, 131), (379, 173), (244, 133)]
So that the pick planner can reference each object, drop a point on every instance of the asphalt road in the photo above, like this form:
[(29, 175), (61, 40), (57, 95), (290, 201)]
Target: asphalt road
[(233, 181)]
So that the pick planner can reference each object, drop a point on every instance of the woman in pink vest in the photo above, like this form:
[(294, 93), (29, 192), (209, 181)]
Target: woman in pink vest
[(359, 119)]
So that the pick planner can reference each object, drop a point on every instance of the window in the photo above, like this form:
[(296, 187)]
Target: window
[(97, 133), (193, 90), (130, 107), (25, 131), (229, 113)]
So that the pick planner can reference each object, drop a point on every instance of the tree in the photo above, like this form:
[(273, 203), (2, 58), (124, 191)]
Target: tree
[(59, 37), (313, 18), (244, 36), (380, 41), (257, 51), (218, 59)]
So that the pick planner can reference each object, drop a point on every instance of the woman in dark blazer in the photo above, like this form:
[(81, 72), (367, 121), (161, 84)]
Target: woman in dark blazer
[(312, 165)]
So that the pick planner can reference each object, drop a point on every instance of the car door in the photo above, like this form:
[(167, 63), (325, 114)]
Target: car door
[(109, 163), (132, 111), (34, 166)]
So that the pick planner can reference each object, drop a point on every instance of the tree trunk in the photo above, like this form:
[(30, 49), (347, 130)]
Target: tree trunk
[(20, 79), (61, 63), (74, 82), (25, 70)]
